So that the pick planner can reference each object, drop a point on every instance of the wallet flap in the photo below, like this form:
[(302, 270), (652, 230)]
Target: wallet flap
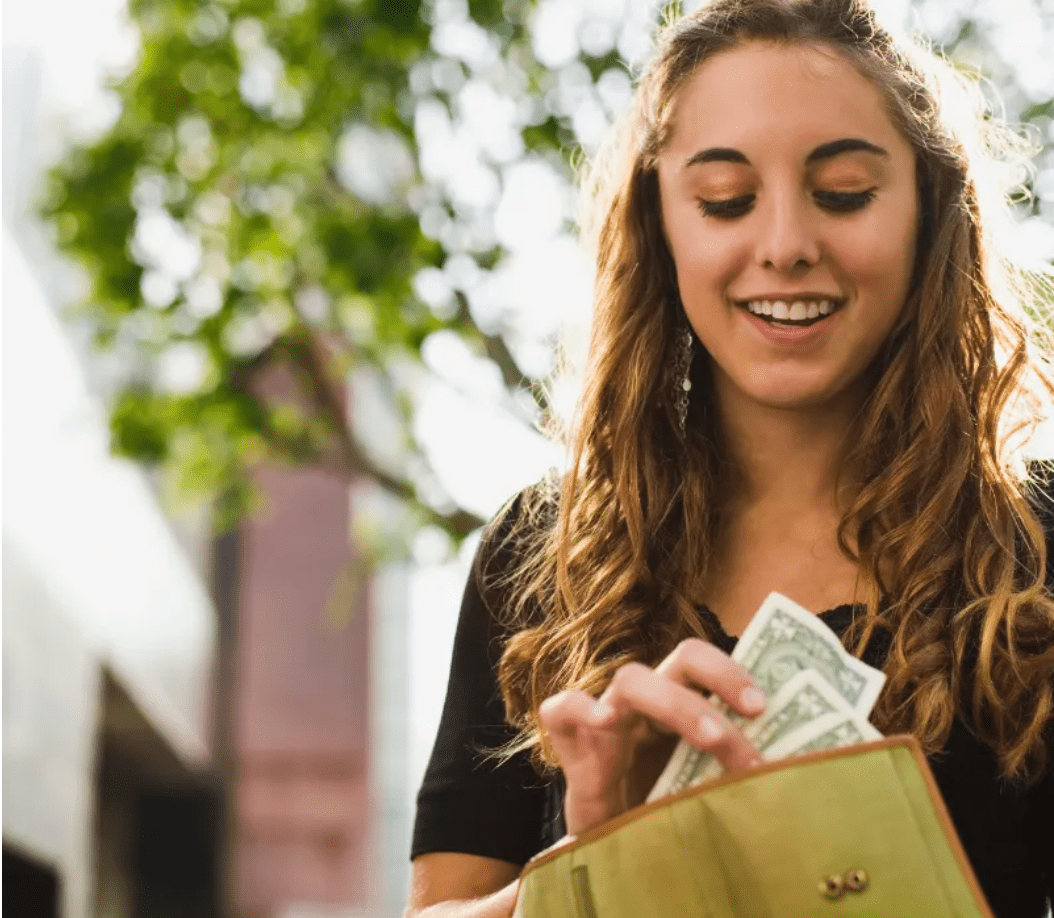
[(774, 841)]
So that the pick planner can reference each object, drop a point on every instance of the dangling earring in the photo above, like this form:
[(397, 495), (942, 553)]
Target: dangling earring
[(682, 377)]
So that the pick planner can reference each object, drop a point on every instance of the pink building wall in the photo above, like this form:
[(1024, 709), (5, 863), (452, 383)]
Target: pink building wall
[(301, 706)]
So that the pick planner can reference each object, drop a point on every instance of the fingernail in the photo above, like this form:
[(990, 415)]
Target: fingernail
[(603, 712), (709, 728), (753, 698)]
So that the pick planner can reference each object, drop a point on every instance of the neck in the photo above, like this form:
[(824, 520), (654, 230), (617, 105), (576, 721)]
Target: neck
[(787, 460)]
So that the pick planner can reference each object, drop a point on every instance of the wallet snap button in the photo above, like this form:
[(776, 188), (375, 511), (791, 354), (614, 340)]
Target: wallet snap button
[(856, 880), (832, 887)]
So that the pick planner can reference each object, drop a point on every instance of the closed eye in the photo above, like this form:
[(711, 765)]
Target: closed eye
[(844, 202), (841, 202), (727, 209)]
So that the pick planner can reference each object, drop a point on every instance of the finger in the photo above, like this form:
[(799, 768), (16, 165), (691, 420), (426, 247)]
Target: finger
[(594, 760), (569, 719), (565, 713), (728, 744), (673, 707), (696, 662)]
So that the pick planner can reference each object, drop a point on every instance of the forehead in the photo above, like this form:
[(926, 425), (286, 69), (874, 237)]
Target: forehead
[(767, 98)]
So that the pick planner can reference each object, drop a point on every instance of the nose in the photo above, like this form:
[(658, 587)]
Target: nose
[(788, 240)]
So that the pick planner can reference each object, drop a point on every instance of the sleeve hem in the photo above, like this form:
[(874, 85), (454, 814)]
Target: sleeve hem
[(462, 826)]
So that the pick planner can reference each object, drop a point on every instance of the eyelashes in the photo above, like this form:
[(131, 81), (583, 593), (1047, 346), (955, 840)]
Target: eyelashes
[(839, 202), (843, 202), (728, 209)]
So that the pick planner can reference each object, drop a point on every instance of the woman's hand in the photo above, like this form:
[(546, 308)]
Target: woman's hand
[(600, 742)]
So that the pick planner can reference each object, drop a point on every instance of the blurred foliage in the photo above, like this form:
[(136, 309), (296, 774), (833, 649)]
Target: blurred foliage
[(259, 204)]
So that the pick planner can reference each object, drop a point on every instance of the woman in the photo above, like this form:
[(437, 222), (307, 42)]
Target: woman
[(808, 373)]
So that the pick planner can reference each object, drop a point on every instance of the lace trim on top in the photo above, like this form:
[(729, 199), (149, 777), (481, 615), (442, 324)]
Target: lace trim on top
[(837, 619)]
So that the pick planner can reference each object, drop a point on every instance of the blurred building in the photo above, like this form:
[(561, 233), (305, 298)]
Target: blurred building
[(108, 632), (301, 708), (311, 817), (192, 727)]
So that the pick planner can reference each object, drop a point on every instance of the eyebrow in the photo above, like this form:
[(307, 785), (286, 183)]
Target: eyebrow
[(846, 145), (822, 152)]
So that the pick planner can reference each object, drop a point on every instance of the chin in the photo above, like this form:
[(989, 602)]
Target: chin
[(788, 388), (785, 400), (787, 394)]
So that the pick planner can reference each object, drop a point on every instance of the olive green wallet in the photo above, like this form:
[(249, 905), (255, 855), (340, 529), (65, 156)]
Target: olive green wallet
[(856, 831)]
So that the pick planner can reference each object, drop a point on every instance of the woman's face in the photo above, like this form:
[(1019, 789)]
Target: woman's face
[(789, 204)]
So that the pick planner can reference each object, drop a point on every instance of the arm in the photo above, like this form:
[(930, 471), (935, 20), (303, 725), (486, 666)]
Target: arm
[(445, 885), (478, 820)]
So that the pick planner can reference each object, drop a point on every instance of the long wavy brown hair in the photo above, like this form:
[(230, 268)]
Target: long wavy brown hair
[(944, 531)]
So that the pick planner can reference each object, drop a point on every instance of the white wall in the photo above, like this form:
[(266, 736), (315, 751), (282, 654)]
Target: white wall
[(90, 527), (96, 575), (51, 697)]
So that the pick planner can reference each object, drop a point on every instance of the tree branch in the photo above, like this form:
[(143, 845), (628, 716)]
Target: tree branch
[(497, 350), (330, 399)]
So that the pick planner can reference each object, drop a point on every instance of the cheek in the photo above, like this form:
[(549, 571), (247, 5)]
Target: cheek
[(704, 259), (878, 255)]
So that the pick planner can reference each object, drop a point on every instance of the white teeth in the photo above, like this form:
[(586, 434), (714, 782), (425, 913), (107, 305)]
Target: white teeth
[(797, 311)]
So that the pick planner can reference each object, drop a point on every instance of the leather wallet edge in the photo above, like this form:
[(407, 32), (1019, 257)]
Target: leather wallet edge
[(945, 819), (899, 740)]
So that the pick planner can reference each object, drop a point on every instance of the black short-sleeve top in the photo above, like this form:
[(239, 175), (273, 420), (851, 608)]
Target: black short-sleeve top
[(468, 803)]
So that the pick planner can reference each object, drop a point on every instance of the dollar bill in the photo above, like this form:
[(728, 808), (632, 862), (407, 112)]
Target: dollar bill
[(782, 641), (784, 638), (829, 732), (805, 700), (686, 765)]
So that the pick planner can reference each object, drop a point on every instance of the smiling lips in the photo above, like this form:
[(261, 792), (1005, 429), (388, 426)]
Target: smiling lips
[(798, 312)]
